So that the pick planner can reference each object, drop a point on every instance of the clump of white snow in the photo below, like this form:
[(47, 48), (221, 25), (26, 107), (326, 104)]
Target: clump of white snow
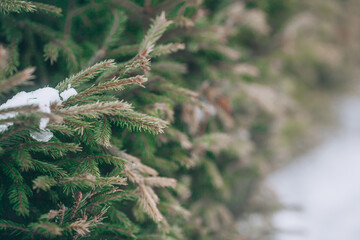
[(65, 95), (42, 135), (43, 98)]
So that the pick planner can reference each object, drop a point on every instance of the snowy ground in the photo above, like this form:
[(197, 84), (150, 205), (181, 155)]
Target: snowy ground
[(324, 184)]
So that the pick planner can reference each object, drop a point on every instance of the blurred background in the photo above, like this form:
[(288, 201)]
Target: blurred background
[(320, 190), (316, 189)]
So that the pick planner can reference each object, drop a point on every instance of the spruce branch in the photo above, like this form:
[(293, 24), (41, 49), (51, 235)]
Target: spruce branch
[(11, 55), (115, 180), (158, 27), (48, 168), (133, 65), (113, 36), (62, 216), (148, 202), (12, 121), (165, 49), (85, 75), (61, 128), (14, 227), (43, 183), (20, 78), (46, 229), (21, 109), (95, 109), (166, 66), (114, 84), (4, 58), (126, 68), (23, 160), (147, 198), (116, 29), (184, 93), (115, 229), (47, 8), (68, 47), (55, 149), (121, 51), (16, 6), (160, 182), (51, 52), (78, 198), (135, 121), (133, 162), (16, 131), (81, 227), (102, 131), (86, 165), (18, 197), (77, 125), (119, 217), (133, 166), (108, 159), (18, 192), (113, 195)]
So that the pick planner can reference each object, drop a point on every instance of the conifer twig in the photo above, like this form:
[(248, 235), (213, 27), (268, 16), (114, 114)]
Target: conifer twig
[(114, 84), (96, 109), (16, 6), (78, 199), (148, 202), (17, 79), (85, 75), (111, 38), (8, 224), (160, 182), (156, 30)]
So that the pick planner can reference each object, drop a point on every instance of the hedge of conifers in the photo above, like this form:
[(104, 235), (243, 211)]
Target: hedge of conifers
[(159, 119)]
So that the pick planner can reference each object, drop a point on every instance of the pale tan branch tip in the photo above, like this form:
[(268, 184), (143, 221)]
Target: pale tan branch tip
[(148, 203), (81, 227), (17, 79), (160, 182), (3, 58)]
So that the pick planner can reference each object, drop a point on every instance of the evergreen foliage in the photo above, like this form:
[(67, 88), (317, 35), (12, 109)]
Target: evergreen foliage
[(158, 130)]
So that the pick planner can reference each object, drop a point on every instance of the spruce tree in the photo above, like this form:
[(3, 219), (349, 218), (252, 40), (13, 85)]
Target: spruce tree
[(141, 119)]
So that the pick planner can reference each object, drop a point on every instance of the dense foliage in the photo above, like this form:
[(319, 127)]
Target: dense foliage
[(162, 116)]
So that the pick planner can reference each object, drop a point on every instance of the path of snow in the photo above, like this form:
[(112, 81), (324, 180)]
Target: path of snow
[(325, 184)]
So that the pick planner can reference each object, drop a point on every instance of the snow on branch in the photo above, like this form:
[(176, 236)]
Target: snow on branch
[(41, 99)]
